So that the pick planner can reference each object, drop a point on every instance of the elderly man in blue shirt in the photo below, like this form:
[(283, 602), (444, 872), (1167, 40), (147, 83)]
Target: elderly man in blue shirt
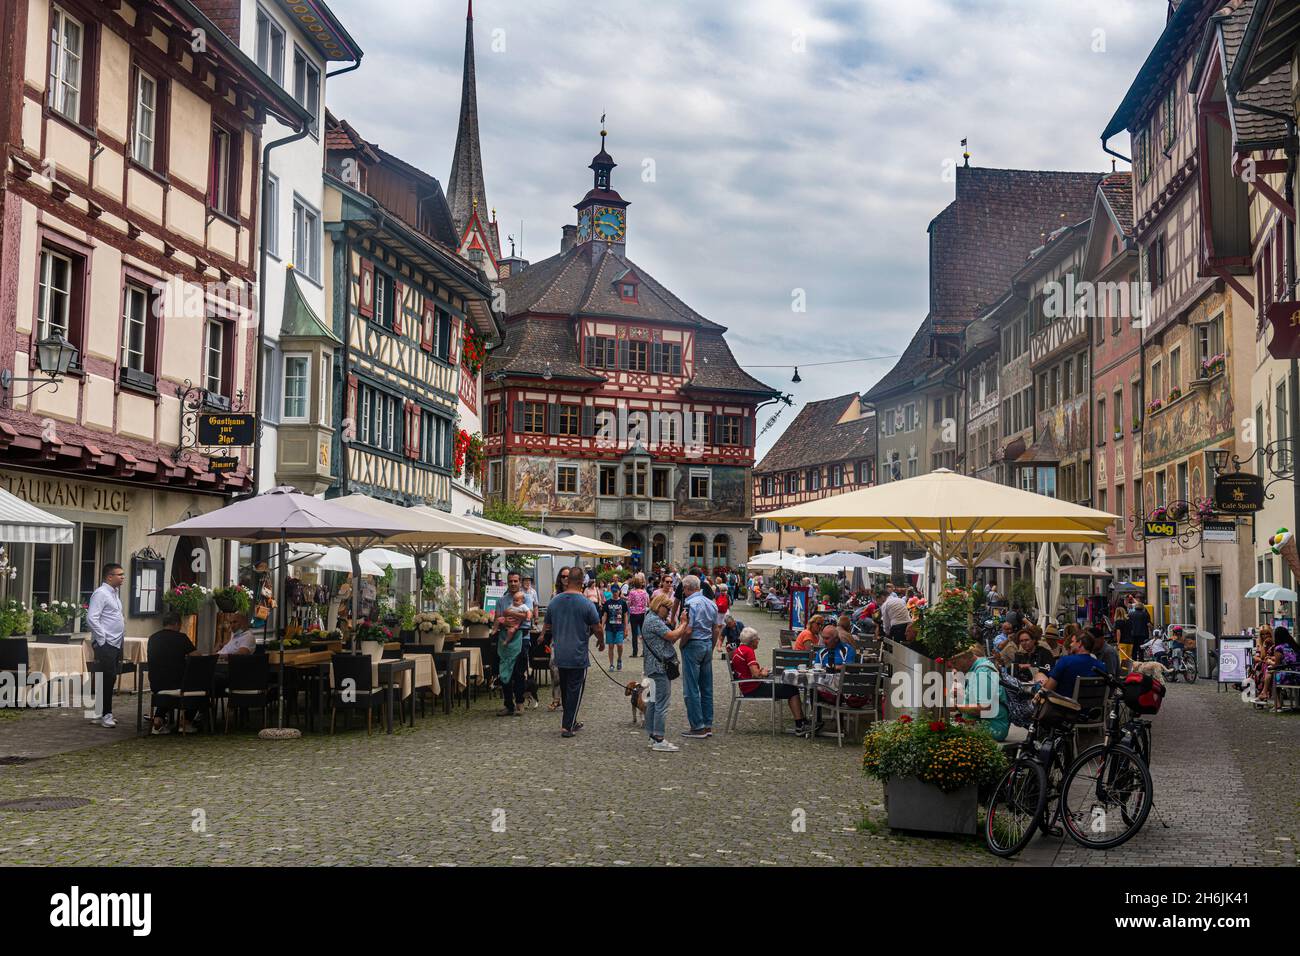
[(107, 631), (698, 629)]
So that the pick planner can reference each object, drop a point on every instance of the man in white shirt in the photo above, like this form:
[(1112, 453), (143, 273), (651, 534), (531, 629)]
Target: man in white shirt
[(107, 631), (894, 616)]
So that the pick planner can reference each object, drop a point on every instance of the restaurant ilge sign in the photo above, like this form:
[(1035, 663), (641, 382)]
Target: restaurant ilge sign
[(1238, 493), (227, 429)]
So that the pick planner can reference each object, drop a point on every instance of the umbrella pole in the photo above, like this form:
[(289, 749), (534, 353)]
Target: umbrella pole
[(356, 595), (280, 612)]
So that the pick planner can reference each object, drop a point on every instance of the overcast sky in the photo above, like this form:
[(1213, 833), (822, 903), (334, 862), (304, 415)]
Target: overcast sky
[(765, 146)]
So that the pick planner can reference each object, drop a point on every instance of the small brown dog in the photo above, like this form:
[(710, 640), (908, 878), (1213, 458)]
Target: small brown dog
[(635, 689)]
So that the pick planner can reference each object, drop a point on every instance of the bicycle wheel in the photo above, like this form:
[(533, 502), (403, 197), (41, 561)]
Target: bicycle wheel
[(1106, 797), (1190, 673), (1014, 809), (1062, 760)]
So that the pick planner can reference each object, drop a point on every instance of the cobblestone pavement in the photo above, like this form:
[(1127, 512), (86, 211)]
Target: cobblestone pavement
[(432, 795)]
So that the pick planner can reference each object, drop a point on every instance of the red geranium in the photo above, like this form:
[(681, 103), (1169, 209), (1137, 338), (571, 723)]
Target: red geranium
[(905, 719), (938, 725)]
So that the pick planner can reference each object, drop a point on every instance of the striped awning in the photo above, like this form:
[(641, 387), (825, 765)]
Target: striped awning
[(21, 523)]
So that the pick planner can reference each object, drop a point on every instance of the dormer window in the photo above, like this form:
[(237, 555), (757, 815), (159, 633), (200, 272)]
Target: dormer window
[(628, 291)]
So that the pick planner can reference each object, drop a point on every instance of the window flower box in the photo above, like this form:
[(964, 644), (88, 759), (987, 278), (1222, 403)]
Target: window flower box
[(1175, 394), (1155, 405), (1214, 365)]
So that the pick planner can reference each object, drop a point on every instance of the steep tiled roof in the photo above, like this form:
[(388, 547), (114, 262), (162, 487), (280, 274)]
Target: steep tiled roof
[(716, 369), (1181, 27), (1251, 130), (531, 343), (915, 362), (1118, 190), (465, 188), (983, 237), (340, 135), (815, 438), (571, 284)]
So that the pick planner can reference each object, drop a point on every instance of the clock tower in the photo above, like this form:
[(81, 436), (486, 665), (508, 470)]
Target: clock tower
[(602, 213)]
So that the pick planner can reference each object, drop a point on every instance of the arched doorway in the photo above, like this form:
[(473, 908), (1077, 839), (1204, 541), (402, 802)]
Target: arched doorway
[(190, 561), (721, 551), (695, 550), (634, 543), (659, 549)]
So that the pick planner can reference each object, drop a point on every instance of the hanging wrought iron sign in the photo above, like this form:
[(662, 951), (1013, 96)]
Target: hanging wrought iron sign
[(1238, 493)]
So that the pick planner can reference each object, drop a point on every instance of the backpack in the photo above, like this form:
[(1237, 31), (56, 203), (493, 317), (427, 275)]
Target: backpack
[(1143, 694)]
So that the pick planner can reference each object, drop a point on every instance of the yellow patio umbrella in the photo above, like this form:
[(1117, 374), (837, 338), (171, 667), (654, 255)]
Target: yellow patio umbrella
[(950, 516)]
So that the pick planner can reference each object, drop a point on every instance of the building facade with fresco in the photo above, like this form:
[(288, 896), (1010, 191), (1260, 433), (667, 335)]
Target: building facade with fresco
[(1201, 306), (613, 409), (131, 213), (828, 449)]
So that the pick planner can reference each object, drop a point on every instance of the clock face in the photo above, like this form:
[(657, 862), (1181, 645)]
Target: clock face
[(610, 223), (584, 225)]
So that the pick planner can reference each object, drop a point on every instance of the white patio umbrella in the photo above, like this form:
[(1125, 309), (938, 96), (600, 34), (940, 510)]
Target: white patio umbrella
[(777, 561), (337, 559), (1279, 594), (1260, 589), (593, 548)]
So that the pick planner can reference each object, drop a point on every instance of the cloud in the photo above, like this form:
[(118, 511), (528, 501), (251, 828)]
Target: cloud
[(796, 144)]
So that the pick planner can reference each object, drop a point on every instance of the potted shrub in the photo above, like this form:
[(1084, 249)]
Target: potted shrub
[(46, 620), (932, 771), (406, 620), (15, 619), (944, 627), (430, 628), (187, 600), (477, 622), (233, 599)]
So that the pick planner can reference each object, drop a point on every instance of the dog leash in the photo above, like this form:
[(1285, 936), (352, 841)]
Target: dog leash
[(617, 683)]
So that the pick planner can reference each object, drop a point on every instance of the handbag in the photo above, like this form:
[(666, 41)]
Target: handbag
[(672, 669)]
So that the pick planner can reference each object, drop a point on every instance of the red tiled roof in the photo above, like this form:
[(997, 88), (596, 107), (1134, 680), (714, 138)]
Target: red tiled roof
[(1118, 190), (816, 438), (984, 236)]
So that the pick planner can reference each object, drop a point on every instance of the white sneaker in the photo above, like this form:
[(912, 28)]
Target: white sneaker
[(107, 721), (160, 731), (664, 747)]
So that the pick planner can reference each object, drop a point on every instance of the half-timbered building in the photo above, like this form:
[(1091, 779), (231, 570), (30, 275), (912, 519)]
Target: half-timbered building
[(132, 136), (615, 410), (828, 449), (400, 298)]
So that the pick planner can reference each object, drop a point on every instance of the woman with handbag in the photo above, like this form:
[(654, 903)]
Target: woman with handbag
[(661, 667)]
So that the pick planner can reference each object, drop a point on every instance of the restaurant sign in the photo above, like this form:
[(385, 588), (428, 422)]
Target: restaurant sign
[(1238, 493), (1225, 531), (1161, 529), (227, 429), (1285, 319)]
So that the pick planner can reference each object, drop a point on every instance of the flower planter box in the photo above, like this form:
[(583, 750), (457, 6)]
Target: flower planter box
[(913, 805), (475, 631)]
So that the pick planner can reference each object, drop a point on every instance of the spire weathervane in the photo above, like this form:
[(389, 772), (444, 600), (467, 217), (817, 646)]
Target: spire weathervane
[(965, 153)]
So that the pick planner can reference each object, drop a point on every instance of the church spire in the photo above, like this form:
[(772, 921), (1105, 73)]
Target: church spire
[(465, 189)]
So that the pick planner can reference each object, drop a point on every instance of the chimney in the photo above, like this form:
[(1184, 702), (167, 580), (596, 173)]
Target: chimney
[(511, 266), (568, 239)]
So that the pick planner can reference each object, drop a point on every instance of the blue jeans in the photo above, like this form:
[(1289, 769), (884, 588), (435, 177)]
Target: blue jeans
[(697, 683), (657, 709)]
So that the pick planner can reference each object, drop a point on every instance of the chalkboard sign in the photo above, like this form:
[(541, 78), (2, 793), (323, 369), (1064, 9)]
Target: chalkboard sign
[(227, 429), (1234, 659), (1238, 493)]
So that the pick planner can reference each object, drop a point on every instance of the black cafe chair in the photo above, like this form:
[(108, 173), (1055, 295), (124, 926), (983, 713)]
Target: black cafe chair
[(352, 688), (13, 656), (250, 686)]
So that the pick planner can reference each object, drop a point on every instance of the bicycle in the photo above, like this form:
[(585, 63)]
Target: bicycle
[(1182, 663), (1107, 794), (1027, 797)]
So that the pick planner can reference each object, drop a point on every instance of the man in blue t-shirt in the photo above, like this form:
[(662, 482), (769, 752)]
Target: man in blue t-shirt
[(700, 629), (574, 620), (1070, 667)]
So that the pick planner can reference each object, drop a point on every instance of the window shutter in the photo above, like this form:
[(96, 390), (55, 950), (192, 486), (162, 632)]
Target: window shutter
[(397, 307), (749, 432), (416, 427), (426, 330), (351, 410), (588, 421), (366, 297), (552, 419), (454, 340), (518, 425), (622, 353)]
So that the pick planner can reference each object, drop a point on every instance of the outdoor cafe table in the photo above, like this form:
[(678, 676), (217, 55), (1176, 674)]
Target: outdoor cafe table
[(468, 668), (809, 681), (58, 662)]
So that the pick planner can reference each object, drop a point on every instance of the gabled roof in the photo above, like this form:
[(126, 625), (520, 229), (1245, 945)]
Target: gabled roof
[(1251, 130), (531, 343), (1269, 41), (571, 284), (815, 437), (716, 370), (1117, 191), (984, 236), (329, 37), (1180, 28), (916, 363)]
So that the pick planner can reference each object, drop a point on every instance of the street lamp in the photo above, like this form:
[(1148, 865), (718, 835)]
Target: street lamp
[(55, 355), (1218, 459)]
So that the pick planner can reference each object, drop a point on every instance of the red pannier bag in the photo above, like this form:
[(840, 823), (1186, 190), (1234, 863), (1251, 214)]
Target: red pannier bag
[(1143, 693)]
